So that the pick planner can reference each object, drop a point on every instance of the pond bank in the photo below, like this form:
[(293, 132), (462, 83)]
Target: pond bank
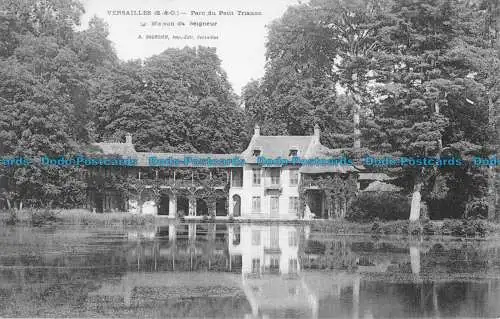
[(453, 227)]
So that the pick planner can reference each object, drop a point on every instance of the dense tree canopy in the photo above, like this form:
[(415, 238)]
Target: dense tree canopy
[(45, 84), (179, 100), (298, 89)]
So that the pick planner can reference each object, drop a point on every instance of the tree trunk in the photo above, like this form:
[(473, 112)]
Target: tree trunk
[(416, 198), (497, 194), (356, 109), (440, 139), (357, 131), (492, 189), (492, 195), (140, 203)]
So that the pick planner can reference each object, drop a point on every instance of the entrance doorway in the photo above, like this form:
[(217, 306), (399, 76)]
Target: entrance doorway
[(220, 207), (163, 205), (201, 207), (182, 206)]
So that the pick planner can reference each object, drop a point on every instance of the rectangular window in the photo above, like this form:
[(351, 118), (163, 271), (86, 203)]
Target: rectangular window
[(256, 204), (274, 264), (275, 176), (255, 237), (237, 177), (294, 177), (256, 265), (256, 176), (274, 205), (293, 204)]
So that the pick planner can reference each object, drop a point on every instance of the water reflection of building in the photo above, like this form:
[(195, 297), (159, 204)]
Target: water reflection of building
[(275, 271), (260, 262), (271, 270), (266, 249)]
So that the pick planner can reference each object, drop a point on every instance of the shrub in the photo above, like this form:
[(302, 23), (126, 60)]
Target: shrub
[(13, 218), (415, 228), (464, 227), (383, 205), (428, 228), (40, 217), (478, 208), (396, 227)]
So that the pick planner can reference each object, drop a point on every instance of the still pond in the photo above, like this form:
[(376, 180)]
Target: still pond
[(243, 271)]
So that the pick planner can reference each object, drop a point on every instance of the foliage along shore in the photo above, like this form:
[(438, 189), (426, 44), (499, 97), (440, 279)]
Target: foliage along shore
[(447, 227)]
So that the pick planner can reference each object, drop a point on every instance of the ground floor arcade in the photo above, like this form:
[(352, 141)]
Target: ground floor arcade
[(320, 196)]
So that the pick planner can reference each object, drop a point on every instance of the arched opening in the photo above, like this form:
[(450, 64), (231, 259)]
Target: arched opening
[(220, 207), (236, 205), (201, 207), (182, 206), (163, 205), (314, 200)]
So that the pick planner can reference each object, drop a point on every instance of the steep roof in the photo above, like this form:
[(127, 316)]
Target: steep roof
[(277, 146), (143, 158), (271, 147)]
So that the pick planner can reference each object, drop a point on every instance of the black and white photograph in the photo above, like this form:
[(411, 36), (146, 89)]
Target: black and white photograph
[(250, 159)]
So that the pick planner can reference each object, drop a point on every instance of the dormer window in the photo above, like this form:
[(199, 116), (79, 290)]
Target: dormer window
[(293, 152), (257, 152)]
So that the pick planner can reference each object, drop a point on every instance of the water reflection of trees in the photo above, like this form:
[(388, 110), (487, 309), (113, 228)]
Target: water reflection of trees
[(49, 274), (327, 255), (404, 256), (465, 259)]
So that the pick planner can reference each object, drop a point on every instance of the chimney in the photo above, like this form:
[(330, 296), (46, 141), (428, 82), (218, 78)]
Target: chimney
[(128, 138), (317, 132), (256, 130)]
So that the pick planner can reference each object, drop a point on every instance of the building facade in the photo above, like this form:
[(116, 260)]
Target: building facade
[(276, 177)]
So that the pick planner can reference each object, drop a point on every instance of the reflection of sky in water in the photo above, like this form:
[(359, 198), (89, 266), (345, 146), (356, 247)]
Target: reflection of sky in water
[(243, 271)]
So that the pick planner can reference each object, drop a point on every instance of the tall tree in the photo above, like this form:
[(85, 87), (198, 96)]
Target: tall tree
[(423, 84), (299, 88), (44, 90), (179, 100), (352, 28)]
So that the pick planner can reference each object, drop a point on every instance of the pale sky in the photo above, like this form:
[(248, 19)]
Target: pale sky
[(241, 39)]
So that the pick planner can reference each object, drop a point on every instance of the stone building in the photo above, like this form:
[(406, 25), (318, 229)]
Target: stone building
[(276, 177)]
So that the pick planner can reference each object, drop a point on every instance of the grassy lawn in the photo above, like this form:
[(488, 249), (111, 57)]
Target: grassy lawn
[(38, 217), (460, 228)]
